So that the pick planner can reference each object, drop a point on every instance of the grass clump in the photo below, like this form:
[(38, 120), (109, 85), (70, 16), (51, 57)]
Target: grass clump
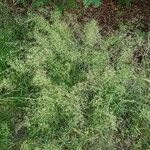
[(71, 88)]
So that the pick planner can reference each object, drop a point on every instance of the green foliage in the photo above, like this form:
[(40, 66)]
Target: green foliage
[(96, 3), (124, 2), (4, 136), (65, 3), (66, 87), (40, 3)]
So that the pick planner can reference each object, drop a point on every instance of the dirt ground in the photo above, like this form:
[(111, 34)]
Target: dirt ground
[(110, 14)]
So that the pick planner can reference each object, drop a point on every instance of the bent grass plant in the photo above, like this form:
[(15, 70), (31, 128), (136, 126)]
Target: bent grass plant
[(59, 92)]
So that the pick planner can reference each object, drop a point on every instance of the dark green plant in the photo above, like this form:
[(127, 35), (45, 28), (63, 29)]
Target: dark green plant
[(124, 2), (39, 3), (61, 4)]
